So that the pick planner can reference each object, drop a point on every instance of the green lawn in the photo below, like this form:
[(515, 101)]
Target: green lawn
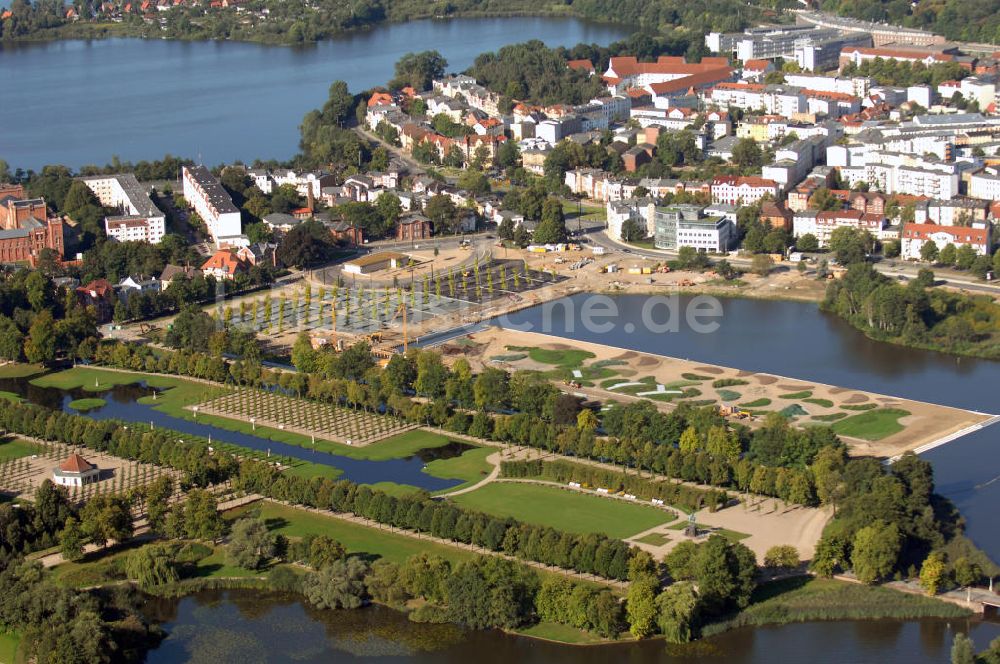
[(561, 633), (805, 394), (83, 405), (562, 509), (19, 370), (10, 396), (15, 449), (570, 357), (656, 539), (825, 403), (756, 403), (872, 424), (470, 467), (8, 647), (378, 543)]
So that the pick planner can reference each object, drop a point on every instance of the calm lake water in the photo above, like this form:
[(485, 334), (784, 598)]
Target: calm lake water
[(248, 628), (796, 340), (82, 102)]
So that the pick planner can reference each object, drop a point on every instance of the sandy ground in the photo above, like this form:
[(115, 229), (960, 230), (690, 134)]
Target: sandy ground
[(925, 424), (768, 522)]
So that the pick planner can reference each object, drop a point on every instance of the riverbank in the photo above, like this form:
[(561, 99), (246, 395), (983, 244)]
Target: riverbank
[(871, 424)]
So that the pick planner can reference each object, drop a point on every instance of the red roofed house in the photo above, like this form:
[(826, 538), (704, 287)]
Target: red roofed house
[(76, 471), (914, 236), (776, 215), (756, 70), (378, 98), (581, 65), (224, 264), (669, 74), (100, 295), (732, 190)]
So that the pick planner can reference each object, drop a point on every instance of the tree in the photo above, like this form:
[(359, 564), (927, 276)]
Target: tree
[(965, 257), (201, 516), (875, 551), (761, 264), (552, 227), (251, 544), (324, 551), (106, 517), (850, 245), (441, 210), (157, 503), (932, 573), (304, 356), (71, 540), (640, 605), (823, 200), (967, 573), (339, 585), (339, 106), (677, 612), (725, 270), (11, 340), (747, 154), (724, 572), (963, 651), (40, 346), (782, 556), (491, 390), (929, 251), (633, 230), (418, 70), (151, 565), (807, 242), (947, 254), (474, 182), (307, 244)]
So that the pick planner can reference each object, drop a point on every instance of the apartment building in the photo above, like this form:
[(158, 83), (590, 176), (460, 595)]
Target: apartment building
[(205, 194), (139, 219)]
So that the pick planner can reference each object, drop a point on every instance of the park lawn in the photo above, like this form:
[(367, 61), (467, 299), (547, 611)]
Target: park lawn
[(563, 509), (656, 539), (470, 467), (804, 394), (560, 633), (378, 543), (8, 647), (802, 599), (569, 357), (398, 446), (83, 405), (15, 449), (10, 396), (20, 370), (731, 535), (872, 424), (310, 470)]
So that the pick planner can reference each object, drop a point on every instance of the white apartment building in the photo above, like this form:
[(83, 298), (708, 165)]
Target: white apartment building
[(857, 86), (902, 173), (914, 236), (205, 194), (744, 190), (641, 210), (822, 224), (140, 220), (985, 184), (268, 181), (754, 97)]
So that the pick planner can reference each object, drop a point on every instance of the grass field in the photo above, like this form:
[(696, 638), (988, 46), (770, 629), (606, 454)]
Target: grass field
[(376, 543), (20, 370), (470, 467), (83, 405), (802, 599), (15, 449), (8, 647), (561, 633), (656, 539), (10, 396), (563, 509), (872, 424)]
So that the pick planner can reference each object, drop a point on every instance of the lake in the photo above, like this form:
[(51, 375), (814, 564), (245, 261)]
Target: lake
[(82, 102), (242, 627), (797, 340)]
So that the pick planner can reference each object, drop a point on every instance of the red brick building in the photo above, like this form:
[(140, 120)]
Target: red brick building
[(414, 227), (26, 227), (100, 295)]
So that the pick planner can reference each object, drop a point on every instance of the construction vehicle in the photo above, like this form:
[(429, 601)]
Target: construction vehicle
[(374, 338)]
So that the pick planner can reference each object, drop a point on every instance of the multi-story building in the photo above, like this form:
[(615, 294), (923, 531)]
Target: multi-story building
[(687, 226), (812, 47), (732, 190), (985, 184), (954, 212), (139, 219), (770, 99), (822, 224), (305, 184), (914, 236), (857, 86), (26, 228), (668, 75), (641, 210), (858, 55), (205, 194)]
